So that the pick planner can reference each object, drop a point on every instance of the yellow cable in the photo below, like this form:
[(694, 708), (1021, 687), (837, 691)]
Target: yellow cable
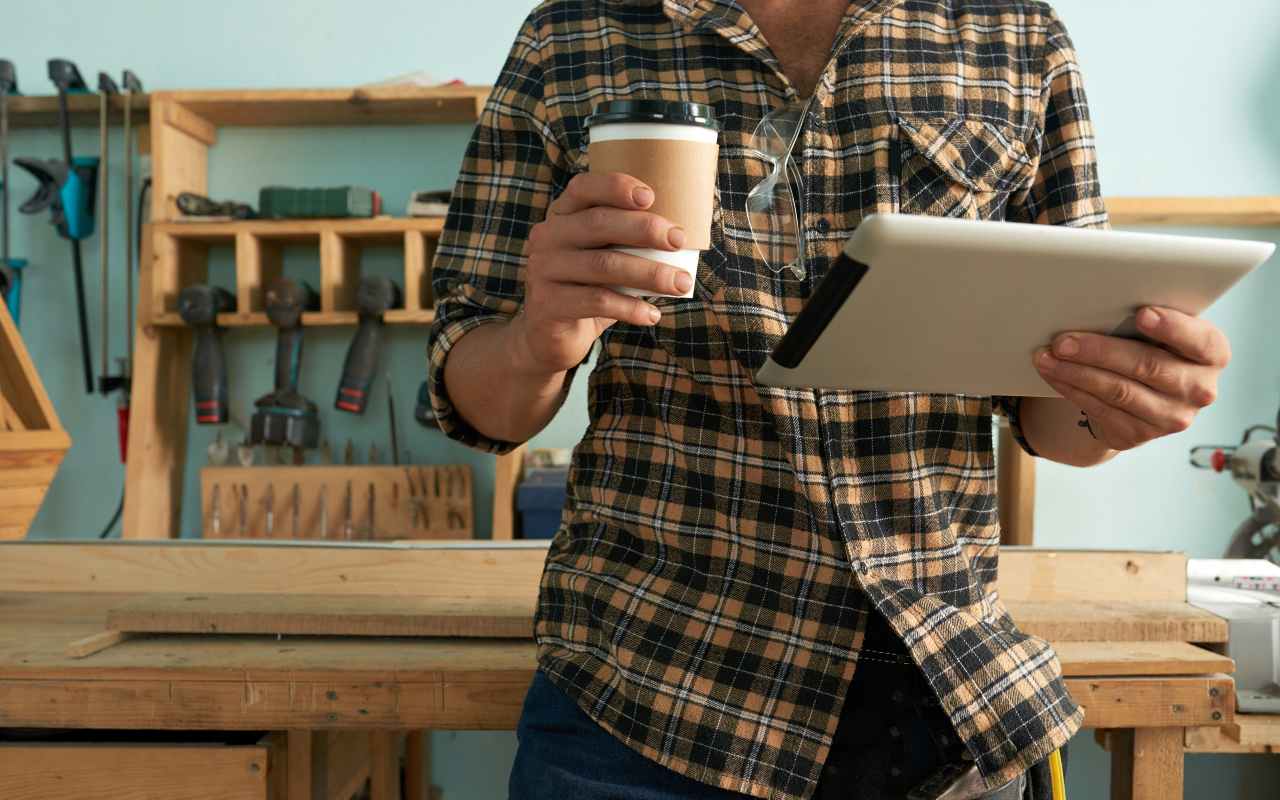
[(1056, 778)]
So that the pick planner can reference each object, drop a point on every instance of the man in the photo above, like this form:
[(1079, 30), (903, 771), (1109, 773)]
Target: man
[(756, 591)]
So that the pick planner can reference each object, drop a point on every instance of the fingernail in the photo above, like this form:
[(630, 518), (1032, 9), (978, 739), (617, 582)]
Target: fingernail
[(654, 315), (1148, 318), (1046, 361), (643, 196), (1068, 346), (684, 282), (675, 237)]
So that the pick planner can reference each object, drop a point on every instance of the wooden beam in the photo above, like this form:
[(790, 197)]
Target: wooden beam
[(1139, 658), (459, 570), (300, 764), (417, 765), (1255, 730), (190, 123), (1169, 701), (1212, 739), (1195, 211), (1015, 490), (1083, 621), (506, 479), (1049, 576), (1147, 764), (133, 772), (384, 765)]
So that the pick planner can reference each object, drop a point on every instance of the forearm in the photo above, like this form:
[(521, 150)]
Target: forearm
[(1052, 427), (492, 386)]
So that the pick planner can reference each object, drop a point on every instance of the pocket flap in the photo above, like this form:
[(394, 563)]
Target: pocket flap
[(976, 153)]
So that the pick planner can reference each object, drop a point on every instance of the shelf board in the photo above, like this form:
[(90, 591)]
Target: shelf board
[(1223, 212), (388, 228), (310, 319), (41, 111), (372, 105)]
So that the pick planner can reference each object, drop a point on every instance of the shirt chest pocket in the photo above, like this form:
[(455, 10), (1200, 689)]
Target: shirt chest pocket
[(959, 167)]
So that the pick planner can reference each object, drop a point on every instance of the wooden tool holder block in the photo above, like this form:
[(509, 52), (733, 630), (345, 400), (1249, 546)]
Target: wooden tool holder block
[(446, 509), (32, 441), (181, 259)]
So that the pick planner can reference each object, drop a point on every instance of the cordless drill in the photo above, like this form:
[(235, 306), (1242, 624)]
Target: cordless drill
[(285, 417), (199, 307), (374, 298)]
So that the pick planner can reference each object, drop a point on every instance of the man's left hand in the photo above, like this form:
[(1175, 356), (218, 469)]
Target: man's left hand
[(1132, 391)]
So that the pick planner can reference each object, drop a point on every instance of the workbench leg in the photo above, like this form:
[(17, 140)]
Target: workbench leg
[(301, 759), (1146, 764), (417, 765), (384, 766)]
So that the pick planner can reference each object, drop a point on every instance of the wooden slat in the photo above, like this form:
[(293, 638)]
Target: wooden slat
[(1169, 701), (1255, 730), (96, 643), (1147, 764), (1091, 575), (190, 123), (23, 390), (132, 772), (458, 570), (506, 479), (346, 762), (41, 111), (374, 105), (376, 229), (384, 765), (1195, 211), (1118, 621), (1212, 739), (1016, 491), (302, 763), (179, 162), (1139, 658), (324, 615)]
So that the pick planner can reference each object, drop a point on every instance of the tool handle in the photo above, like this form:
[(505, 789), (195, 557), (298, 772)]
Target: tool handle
[(288, 358), (209, 377), (361, 364)]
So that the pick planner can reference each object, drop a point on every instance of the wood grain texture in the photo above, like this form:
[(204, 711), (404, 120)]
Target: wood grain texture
[(323, 615), (451, 570), (1147, 764), (1015, 490), (1040, 575), (506, 479), (1139, 658), (1169, 701), (1213, 739), (132, 772), (1118, 621), (370, 105), (384, 765), (1255, 730), (82, 648), (41, 111), (1195, 211)]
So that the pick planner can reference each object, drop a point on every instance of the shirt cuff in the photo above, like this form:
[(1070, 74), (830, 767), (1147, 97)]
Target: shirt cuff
[(1011, 409), (444, 336)]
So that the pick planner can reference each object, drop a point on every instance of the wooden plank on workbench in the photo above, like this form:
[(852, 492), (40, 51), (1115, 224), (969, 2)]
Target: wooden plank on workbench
[(1172, 621), (437, 569), (133, 772), (1050, 576), (1255, 730), (324, 615), (1211, 739), (1166, 701), (1139, 658)]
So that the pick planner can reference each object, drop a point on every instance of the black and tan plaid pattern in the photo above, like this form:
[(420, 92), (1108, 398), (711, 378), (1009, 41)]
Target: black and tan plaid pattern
[(706, 597)]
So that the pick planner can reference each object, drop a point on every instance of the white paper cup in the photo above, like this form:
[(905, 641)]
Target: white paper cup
[(684, 260)]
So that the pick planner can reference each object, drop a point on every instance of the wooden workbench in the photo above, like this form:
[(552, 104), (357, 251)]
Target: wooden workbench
[(1149, 688)]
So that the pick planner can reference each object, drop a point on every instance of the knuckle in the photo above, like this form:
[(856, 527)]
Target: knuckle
[(1182, 421), (1204, 395), (1148, 368), (654, 229), (1119, 393), (605, 262), (601, 300)]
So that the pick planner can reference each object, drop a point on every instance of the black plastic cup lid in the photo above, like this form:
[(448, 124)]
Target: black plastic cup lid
[(654, 111)]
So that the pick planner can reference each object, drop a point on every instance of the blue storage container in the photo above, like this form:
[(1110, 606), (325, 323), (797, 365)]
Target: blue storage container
[(540, 499)]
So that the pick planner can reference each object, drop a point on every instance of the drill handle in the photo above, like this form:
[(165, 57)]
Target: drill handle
[(360, 366), (288, 358), (209, 377)]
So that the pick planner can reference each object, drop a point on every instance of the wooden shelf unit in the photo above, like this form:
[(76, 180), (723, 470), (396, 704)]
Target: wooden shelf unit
[(182, 250), (183, 126)]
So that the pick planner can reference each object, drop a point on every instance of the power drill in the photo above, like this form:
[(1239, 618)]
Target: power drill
[(199, 307), (374, 298), (1255, 466), (285, 417)]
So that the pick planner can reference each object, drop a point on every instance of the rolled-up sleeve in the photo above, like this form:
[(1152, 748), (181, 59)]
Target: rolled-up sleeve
[(1066, 190), (508, 175)]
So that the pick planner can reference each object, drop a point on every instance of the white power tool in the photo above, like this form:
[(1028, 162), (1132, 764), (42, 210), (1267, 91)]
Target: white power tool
[(1255, 465)]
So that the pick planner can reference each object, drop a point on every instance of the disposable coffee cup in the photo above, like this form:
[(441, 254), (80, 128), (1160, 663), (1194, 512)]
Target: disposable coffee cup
[(673, 148)]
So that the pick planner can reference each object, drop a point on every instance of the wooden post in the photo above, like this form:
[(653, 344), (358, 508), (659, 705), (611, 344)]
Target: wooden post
[(1016, 490), (384, 765), (1146, 764), (505, 481), (417, 765)]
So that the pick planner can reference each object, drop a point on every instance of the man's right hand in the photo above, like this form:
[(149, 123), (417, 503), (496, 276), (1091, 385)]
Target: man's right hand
[(568, 302)]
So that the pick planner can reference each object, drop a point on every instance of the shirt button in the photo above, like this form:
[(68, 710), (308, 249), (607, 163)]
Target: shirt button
[(822, 225), (895, 772), (894, 732), (862, 568)]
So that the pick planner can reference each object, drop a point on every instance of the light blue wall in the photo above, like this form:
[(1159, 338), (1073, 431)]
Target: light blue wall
[(1186, 102)]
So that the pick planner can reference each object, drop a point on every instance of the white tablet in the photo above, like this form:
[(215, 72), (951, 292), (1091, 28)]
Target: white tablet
[(923, 304)]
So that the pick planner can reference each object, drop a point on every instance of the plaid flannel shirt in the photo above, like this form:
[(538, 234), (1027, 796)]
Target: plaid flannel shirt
[(706, 597)]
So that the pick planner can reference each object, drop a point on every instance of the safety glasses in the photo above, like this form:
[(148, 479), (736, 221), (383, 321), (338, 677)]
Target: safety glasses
[(773, 210)]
